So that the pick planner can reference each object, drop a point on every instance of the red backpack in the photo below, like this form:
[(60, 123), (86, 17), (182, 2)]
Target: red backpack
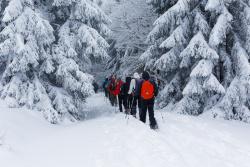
[(147, 90)]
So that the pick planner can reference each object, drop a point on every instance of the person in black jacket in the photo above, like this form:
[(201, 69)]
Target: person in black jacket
[(124, 93), (105, 87), (148, 92), (96, 86)]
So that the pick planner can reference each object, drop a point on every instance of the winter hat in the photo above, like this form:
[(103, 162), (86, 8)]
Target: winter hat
[(145, 75), (136, 75)]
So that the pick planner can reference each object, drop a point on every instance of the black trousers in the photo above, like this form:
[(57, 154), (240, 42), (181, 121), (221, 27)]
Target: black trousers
[(106, 92), (113, 99), (127, 102), (121, 101), (148, 106), (136, 100)]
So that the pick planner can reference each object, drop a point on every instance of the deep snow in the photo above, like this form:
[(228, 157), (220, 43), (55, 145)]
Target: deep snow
[(108, 140)]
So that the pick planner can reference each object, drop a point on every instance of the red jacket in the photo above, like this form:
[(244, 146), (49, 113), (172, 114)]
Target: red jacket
[(112, 82), (118, 85)]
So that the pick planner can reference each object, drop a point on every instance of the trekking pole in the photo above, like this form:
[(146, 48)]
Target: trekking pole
[(116, 107), (163, 120), (132, 103), (128, 114), (126, 108), (127, 118), (105, 99), (114, 103)]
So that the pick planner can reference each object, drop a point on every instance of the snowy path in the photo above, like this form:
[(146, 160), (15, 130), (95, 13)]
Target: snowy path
[(108, 141)]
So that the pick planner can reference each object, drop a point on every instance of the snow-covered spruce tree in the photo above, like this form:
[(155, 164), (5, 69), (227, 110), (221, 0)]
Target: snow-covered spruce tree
[(33, 77), (180, 25), (192, 46), (25, 57), (161, 5), (82, 28), (233, 46), (82, 35), (235, 104)]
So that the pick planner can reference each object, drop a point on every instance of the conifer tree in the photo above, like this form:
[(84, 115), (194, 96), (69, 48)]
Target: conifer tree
[(161, 5), (86, 27), (81, 42), (196, 45), (38, 65), (25, 56), (235, 104)]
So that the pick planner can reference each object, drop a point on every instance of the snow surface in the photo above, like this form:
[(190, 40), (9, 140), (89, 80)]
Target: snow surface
[(111, 141)]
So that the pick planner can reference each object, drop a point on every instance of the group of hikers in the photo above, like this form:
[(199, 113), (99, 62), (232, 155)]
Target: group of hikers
[(135, 92)]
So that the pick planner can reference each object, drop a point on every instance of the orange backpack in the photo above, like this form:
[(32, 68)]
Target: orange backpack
[(147, 90)]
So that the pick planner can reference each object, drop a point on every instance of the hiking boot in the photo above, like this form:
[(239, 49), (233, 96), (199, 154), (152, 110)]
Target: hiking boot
[(127, 111), (154, 127)]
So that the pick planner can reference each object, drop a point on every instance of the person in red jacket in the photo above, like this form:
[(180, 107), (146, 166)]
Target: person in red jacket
[(111, 89), (118, 93), (115, 89)]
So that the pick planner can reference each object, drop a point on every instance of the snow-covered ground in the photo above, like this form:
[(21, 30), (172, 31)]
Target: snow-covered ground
[(110, 141)]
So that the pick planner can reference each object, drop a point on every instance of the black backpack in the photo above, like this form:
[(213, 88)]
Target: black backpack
[(112, 86), (125, 86)]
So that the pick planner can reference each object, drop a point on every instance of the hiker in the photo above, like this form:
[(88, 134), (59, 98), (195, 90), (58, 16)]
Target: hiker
[(96, 86), (134, 93), (118, 93), (126, 97), (112, 90), (148, 92), (105, 86)]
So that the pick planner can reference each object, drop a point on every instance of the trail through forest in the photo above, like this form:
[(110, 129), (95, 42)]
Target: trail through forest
[(110, 141)]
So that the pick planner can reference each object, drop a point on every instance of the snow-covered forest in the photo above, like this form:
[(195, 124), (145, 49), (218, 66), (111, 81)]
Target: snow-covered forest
[(201, 49), (55, 107)]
